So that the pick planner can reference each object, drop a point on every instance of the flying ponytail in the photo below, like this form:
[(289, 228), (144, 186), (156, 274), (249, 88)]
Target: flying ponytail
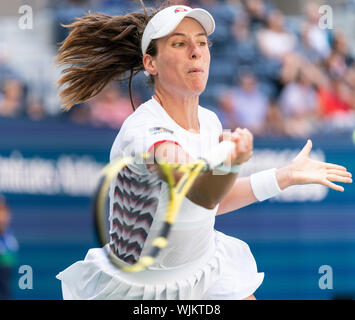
[(100, 49)]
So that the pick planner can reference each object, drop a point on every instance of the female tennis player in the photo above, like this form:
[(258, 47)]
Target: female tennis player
[(171, 47)]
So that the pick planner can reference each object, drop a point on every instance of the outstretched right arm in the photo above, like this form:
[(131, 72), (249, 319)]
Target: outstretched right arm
[(209, 189)]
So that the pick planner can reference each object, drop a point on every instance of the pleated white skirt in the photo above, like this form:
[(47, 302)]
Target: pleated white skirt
[(229, 272)]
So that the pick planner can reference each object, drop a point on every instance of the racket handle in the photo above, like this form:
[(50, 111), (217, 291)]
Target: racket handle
[(219, 154)]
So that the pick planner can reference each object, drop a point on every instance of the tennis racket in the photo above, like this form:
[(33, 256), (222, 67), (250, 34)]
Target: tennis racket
[(177, 192)]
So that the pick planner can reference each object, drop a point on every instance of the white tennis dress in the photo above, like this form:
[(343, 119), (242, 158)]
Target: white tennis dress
[(198, 262)]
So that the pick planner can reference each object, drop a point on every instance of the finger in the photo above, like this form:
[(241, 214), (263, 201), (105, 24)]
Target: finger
[(238, 130), (341, 173), (305, 151), (332, 185), (245, 145), (246, 135), (226, 136), (249, 135), (307, 148), (336, 178), (335, 166), (235, 135), (244, 132)]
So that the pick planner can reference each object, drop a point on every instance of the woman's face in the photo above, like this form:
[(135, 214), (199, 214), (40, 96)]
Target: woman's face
[(181, 65)]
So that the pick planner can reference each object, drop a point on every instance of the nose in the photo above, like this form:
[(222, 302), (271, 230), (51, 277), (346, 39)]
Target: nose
[(195, 51)]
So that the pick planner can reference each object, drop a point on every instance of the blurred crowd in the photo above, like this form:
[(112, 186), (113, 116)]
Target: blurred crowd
[(268, 73), (15, 101), (289, 80)]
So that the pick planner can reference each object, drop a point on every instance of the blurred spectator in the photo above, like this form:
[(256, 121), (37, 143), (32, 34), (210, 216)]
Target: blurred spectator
[(79, 114), (235, 5), (35, 109), (13, 90), (211, 4), (298, 104), (224, 17), (350, 81), (274, 40), (245, 48), (336, 65), (244, 106), (65, 12), (8, 251), (336, 100), (12, 99), (274, 122), (306, 49), (341, 47), (340, 60), (319, 39), (257, 12), (280, 62), (110, 108), (5, 71)]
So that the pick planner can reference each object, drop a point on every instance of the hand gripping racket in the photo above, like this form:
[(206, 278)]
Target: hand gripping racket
[(177, 192)]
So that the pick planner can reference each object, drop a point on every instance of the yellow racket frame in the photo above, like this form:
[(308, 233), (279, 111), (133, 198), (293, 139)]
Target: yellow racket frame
[(177, 192)]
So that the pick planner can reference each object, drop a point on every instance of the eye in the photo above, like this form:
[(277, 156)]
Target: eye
[(202, 43), (178, 44)]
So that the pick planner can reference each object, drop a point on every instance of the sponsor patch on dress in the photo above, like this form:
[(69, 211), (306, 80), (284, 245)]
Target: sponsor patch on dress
[(157, 130)]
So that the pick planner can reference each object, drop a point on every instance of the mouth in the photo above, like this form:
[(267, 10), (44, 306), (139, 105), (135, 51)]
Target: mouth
[(195, 70)]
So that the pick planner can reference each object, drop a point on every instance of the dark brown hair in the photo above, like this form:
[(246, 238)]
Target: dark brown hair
[(100, 49)]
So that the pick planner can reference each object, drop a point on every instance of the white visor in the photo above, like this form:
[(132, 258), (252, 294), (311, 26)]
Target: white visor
[(166, 21)]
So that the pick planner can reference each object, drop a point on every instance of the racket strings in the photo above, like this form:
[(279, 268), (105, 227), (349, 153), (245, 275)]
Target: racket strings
[(135, 200), (134, 205)]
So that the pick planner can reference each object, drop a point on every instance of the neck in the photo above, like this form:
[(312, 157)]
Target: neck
[(183, 110)]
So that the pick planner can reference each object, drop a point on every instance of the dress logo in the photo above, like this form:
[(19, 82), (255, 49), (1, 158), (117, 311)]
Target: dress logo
[(157, 130)]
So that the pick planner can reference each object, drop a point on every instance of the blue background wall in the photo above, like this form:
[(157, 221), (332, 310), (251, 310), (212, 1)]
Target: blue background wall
[(290, 240)]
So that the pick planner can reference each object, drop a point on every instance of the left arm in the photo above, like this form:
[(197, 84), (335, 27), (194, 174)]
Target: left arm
[(301, 170)]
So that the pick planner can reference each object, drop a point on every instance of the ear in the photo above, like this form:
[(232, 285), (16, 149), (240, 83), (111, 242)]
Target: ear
[(149, 64)]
